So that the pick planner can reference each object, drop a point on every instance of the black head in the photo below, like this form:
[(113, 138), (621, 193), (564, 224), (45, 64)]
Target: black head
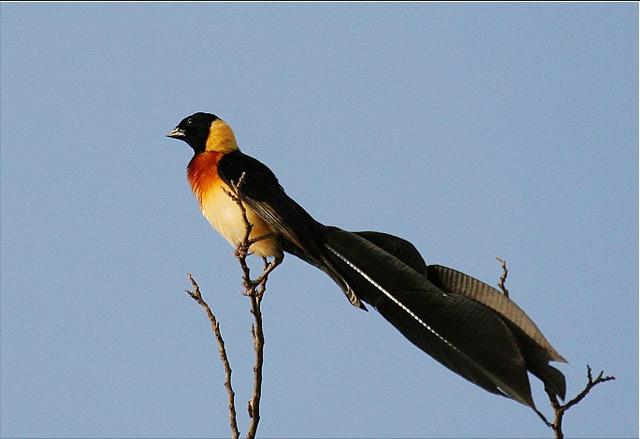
[(194, 130)]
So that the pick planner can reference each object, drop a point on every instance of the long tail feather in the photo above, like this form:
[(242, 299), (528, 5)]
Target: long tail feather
[(536, 349), (465, 336), (459, 283)]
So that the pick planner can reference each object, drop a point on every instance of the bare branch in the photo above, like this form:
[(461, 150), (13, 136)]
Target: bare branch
[(257, 333), (560, 409), (503, 278), (215, 326), (255, 289)]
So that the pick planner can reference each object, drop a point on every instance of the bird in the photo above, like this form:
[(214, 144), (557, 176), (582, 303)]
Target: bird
[(464, 324)]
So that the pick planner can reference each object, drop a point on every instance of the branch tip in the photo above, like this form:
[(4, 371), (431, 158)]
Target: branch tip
[(503, 278)]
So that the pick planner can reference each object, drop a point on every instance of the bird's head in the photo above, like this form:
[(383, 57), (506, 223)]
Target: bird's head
[(205, 132)]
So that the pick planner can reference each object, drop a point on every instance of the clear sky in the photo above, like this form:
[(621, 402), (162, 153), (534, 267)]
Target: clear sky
[(473, 130)]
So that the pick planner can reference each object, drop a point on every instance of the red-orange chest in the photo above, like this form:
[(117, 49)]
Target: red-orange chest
[(202, 173)]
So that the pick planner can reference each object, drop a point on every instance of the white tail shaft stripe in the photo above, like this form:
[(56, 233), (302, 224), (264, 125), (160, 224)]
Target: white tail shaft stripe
[(499, 384), (392, 298)]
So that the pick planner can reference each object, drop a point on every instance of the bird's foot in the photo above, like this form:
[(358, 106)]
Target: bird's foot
[(256, 287)]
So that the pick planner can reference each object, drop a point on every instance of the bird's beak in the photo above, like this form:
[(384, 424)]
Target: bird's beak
[(176, 133)]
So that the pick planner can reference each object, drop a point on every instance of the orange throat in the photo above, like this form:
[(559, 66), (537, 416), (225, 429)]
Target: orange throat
[(202, 173)]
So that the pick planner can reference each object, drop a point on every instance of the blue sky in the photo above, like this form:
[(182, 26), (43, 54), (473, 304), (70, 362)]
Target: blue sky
[(473, 130)]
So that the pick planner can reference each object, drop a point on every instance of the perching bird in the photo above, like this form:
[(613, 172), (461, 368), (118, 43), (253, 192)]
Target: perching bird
[(463, 323)]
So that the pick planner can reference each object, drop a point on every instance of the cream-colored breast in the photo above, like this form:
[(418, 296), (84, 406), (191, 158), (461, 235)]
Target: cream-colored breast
[(226, 217)]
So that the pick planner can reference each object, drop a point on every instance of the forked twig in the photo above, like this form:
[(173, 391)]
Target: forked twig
[(560, 409), (255, 289)]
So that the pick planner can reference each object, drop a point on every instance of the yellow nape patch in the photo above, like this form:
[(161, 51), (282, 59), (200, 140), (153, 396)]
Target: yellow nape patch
[(221, 137)]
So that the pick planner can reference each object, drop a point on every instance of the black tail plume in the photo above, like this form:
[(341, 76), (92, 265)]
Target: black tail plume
[(462, 323)]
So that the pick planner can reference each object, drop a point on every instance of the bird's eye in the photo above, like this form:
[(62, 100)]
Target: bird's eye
[(189, 121)]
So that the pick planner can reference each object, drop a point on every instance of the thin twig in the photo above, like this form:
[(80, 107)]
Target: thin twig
[(215, 326), (253, 406), (255, 289), (560, 409), (503, 278)]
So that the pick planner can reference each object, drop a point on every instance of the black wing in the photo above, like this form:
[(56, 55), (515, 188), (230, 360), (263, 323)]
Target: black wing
[(297, 231), (261, 190)]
